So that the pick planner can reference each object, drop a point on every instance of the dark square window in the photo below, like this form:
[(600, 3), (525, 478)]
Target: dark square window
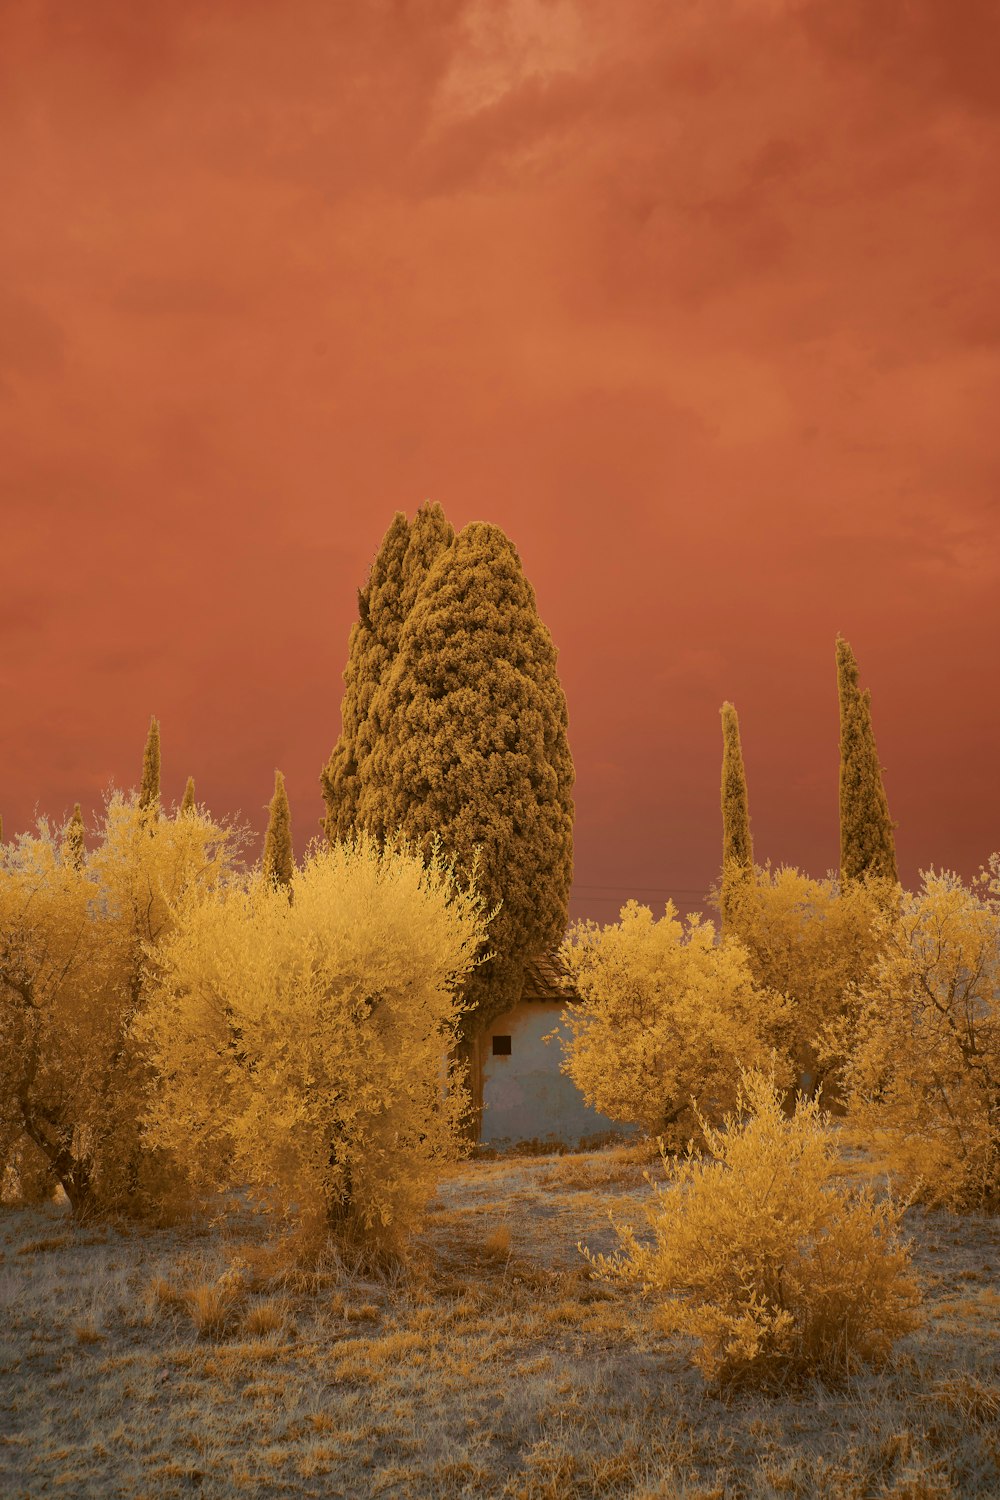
[(501, 1046)]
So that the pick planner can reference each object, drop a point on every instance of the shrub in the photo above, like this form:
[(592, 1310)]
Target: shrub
[(667, 1016), (301, 1045), (78, 935), (775, 1272), (809, 940), (924, 1069)]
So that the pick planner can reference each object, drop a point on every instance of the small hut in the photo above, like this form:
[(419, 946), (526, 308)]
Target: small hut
[(517, 1087)]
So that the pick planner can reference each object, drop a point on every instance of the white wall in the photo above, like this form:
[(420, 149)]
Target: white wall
[(525, 1097)]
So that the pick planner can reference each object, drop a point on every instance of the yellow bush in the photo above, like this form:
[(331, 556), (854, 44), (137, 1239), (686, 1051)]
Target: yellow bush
[(78, 935), (301, 1045), (924, 1070), (809, 940), (667, 1017), (755, 1254)]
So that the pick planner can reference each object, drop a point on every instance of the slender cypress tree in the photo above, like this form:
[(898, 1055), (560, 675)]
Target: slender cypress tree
[(187, 805), (279, 858), (74, 843), (149, 791), (1, 828), (866, 842), (737, 844), (399, 568), (470, 743)]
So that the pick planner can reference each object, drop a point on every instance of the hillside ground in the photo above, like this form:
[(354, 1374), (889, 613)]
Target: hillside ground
[(148, 1364)]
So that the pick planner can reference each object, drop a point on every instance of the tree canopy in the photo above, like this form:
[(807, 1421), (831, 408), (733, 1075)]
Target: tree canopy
[(454, 724)]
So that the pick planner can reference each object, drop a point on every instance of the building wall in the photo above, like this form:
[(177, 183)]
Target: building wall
[(524, 1096)]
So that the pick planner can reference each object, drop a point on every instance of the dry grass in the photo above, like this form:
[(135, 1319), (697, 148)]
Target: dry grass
[(180, 1362), (496, 1245), (87, 1333), (40, 1247), (271, 1316), (212, 1310)]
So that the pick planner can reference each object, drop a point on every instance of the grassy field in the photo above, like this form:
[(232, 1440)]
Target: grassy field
[(168, 1363)]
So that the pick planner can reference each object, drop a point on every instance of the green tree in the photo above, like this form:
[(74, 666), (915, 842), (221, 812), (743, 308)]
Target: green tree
[(149, 791), (400, 566), (467, 740), (866, 841), (737, 844), (279, 857), (187, 805), (73, 842)]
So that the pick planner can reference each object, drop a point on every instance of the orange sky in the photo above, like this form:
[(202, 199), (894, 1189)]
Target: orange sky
[(700, 302)]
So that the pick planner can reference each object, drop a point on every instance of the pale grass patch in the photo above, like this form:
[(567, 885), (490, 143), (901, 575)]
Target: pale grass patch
[(618, 1166), (364, 1312), (317, 1460), (40, 1247), (369, 1359), (233, 1361), (969, 1398), (164, 1296), (520, 1377)]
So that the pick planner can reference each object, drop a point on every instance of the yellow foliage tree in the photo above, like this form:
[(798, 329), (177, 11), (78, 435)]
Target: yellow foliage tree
[(924, 1068), (776, 1272), (809, 940), (302, 1045), (666, 1019), (77, 939)]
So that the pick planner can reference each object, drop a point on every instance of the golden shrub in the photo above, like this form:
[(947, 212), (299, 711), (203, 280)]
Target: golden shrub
[(924, 1070), (809, 940), (666, 1019), (773, 1270), (301, 1045), (78, 934)]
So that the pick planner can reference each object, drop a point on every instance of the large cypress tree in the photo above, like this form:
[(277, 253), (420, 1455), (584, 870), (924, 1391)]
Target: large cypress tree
[(149, 791), (737, 844), (279, 858), (866, 842), (469, 742), (399, 568)]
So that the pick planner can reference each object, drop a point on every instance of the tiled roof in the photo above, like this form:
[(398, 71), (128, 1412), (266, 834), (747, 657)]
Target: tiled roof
[(547, 978)]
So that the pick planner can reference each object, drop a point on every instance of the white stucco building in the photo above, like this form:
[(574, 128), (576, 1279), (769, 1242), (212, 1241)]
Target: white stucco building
[(515, 1076)]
